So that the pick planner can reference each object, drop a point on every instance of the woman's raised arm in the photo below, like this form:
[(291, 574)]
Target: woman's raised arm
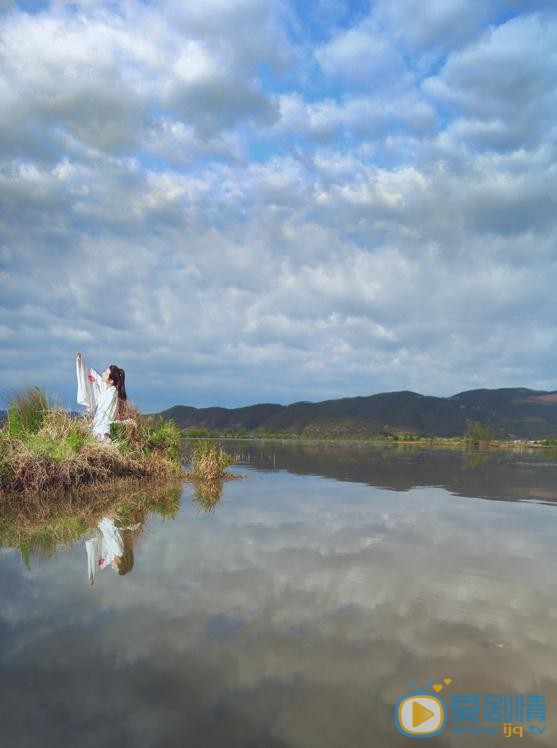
[(89, 383)]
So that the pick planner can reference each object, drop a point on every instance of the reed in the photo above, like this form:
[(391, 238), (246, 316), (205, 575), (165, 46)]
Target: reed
[(207, 493), (26, 411), (209, 460)]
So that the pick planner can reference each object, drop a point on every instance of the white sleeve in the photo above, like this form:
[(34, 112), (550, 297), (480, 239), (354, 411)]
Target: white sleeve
[(89, 384), (112, 407), (112, 543), (93, 553)]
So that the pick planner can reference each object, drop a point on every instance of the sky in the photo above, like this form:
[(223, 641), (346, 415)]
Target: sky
[(242, 201)]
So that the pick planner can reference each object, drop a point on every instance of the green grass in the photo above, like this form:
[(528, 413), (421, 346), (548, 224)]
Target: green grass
[(39, 527), (26, 412), (209, 460), (44, 447)]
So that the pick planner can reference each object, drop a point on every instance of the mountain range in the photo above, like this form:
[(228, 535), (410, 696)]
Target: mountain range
[(508, 413)]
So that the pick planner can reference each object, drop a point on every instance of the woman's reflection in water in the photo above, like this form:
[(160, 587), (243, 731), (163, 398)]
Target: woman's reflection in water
[(111, 546)]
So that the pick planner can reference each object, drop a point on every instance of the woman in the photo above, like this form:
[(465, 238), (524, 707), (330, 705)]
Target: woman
[(105, 394), (111, 546)]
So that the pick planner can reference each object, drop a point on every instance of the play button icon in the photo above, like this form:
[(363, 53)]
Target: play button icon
[(420, 715)]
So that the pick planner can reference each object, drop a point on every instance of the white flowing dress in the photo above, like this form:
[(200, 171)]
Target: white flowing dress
[(98, 398), (103, 548)]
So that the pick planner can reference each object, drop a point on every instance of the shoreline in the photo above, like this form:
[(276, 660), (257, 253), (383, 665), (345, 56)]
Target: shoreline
[(454, 443), (45, 450)]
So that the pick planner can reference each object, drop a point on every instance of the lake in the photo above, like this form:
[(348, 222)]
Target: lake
[(293, 611)]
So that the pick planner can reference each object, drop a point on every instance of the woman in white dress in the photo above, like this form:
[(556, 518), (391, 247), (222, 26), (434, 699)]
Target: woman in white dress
[(104, 395), (110, 547)]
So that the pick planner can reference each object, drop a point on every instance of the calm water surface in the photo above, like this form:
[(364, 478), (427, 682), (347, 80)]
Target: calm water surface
[(294, 613)]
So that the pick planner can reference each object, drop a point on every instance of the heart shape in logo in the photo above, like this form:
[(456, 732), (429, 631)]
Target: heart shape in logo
[(437, 687), (447, 680)]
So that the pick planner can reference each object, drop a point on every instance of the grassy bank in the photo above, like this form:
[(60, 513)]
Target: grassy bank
[(44, 448), (475, 439), (41, 526), (469, 441)]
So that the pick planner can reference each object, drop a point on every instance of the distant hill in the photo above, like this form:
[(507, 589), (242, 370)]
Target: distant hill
[(518, 413)]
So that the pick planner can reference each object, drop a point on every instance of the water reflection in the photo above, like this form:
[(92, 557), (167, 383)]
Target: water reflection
[(207, 494), (493, 474), (111, 547), (291, 616), (39, 526)]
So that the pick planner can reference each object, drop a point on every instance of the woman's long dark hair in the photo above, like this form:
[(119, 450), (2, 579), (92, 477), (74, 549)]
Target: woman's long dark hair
[(126, 559), (118, 377)]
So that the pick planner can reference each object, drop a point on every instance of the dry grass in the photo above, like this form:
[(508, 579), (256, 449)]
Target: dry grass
[(33, 471), (58, 424), (36, 523), (45, 448), (207, 493), (209, 460), (27, 410)]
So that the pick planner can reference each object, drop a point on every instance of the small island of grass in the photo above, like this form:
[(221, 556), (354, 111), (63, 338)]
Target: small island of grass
[(45, 448)]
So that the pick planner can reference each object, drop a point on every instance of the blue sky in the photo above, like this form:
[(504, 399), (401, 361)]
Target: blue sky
[(243, 201)]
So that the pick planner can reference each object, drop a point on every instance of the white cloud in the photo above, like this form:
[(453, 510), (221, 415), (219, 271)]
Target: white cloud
[(512, 105), (433, 28), (73, 81), (168, 187), (361, 117), (363, 56)]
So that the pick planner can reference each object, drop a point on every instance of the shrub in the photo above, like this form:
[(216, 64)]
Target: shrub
[(59, 425), (165, 437), (121, 434), (209, 460), (143, 436), (478, 433), (26, 412), (197, 433), (207, 493)]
